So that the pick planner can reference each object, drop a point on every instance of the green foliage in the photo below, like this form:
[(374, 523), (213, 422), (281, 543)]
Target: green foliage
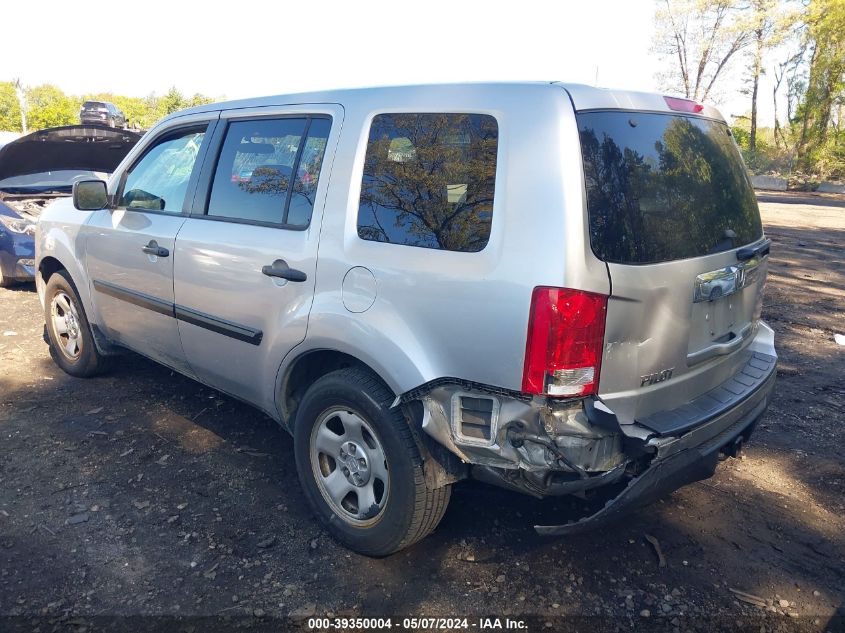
[(172, 102), (742, 136), (197, 100), (697, 38), (819, 147), (48, 106), (10, 111)]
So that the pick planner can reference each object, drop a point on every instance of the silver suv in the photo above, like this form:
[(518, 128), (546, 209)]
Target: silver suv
[(551, 288)]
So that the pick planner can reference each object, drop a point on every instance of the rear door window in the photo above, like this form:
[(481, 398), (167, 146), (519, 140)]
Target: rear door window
[(268, 170), (663, 187), (429, 181)]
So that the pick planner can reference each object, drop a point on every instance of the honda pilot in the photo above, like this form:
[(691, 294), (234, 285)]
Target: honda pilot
[(551, 288)]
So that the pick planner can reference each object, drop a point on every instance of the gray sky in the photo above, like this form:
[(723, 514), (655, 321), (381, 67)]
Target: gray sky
[(241, 49)]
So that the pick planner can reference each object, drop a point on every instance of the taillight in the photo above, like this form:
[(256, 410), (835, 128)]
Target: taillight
[(683, 105), (565, 340)]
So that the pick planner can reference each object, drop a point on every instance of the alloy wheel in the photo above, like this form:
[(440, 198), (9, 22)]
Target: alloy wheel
[(350, 467), (66, 326)]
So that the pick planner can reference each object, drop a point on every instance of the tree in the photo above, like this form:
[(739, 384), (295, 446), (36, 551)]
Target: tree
[(787, 69), (171, 102), (10, 111), (769, 23), (698, 39), (197, 100), (50, 107), (825, 82)]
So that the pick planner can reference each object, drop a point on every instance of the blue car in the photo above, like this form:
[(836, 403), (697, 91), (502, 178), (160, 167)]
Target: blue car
[(17, 247), (41, 166)]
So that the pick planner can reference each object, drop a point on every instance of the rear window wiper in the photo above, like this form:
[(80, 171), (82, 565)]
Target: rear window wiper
[(760, 250)]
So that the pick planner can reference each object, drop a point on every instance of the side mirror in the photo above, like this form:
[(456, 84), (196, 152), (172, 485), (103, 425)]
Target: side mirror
[(90, 195)]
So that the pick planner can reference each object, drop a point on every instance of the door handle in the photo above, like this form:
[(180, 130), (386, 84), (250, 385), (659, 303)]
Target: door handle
[(719, 349), (280, 269), (154, 249)]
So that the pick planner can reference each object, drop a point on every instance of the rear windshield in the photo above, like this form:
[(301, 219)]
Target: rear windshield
[(93, 105), (662, 187)]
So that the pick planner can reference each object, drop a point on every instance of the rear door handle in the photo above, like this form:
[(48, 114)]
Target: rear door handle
[(154, 249), (719, 349), (280, 269)]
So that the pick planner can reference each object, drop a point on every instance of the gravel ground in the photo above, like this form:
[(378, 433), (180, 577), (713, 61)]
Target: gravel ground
[(143, 493)]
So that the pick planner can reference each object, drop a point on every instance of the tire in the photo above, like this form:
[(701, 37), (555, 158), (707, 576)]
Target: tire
[(352, 407), (6, 282), (63, 311)]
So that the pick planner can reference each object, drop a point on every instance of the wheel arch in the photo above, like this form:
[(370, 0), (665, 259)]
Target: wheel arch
[(296, 376), (48, 266)]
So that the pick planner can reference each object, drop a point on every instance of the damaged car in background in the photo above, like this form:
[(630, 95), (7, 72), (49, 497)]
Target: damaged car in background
[(40, 167)]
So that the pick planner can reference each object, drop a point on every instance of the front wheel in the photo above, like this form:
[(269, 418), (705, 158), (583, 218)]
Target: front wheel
[(6, 282), (360, 467), (69, 334)]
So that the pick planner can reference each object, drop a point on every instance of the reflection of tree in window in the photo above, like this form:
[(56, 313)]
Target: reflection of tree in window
[(662, 187), (267, 180), (254, 179), (429, 180)]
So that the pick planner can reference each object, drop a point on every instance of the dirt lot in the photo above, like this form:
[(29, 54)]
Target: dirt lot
[(145, 493)]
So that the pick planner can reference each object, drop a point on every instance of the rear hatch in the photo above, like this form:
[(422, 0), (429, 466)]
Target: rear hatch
[(673, 215)]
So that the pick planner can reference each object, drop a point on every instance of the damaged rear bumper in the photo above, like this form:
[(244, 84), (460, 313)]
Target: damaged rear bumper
[(680, 461), (544, 447)]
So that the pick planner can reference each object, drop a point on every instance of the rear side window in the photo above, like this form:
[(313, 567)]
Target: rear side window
[(268, 170), (664, 187), (429, 181)]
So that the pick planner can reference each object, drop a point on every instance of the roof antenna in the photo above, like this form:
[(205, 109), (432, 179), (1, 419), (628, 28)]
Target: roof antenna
[(596, 82)]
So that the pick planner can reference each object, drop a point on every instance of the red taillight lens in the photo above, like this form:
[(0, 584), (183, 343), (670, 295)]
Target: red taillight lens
[(565, 341), (683, 105)]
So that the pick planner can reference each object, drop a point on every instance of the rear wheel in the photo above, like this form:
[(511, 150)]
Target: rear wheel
[(360, 466), (71, 342)]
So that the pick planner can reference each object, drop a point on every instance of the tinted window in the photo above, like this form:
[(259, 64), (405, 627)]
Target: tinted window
[(429, 180), (307, 173), (664, 187), (257, 164), (159, 180)]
